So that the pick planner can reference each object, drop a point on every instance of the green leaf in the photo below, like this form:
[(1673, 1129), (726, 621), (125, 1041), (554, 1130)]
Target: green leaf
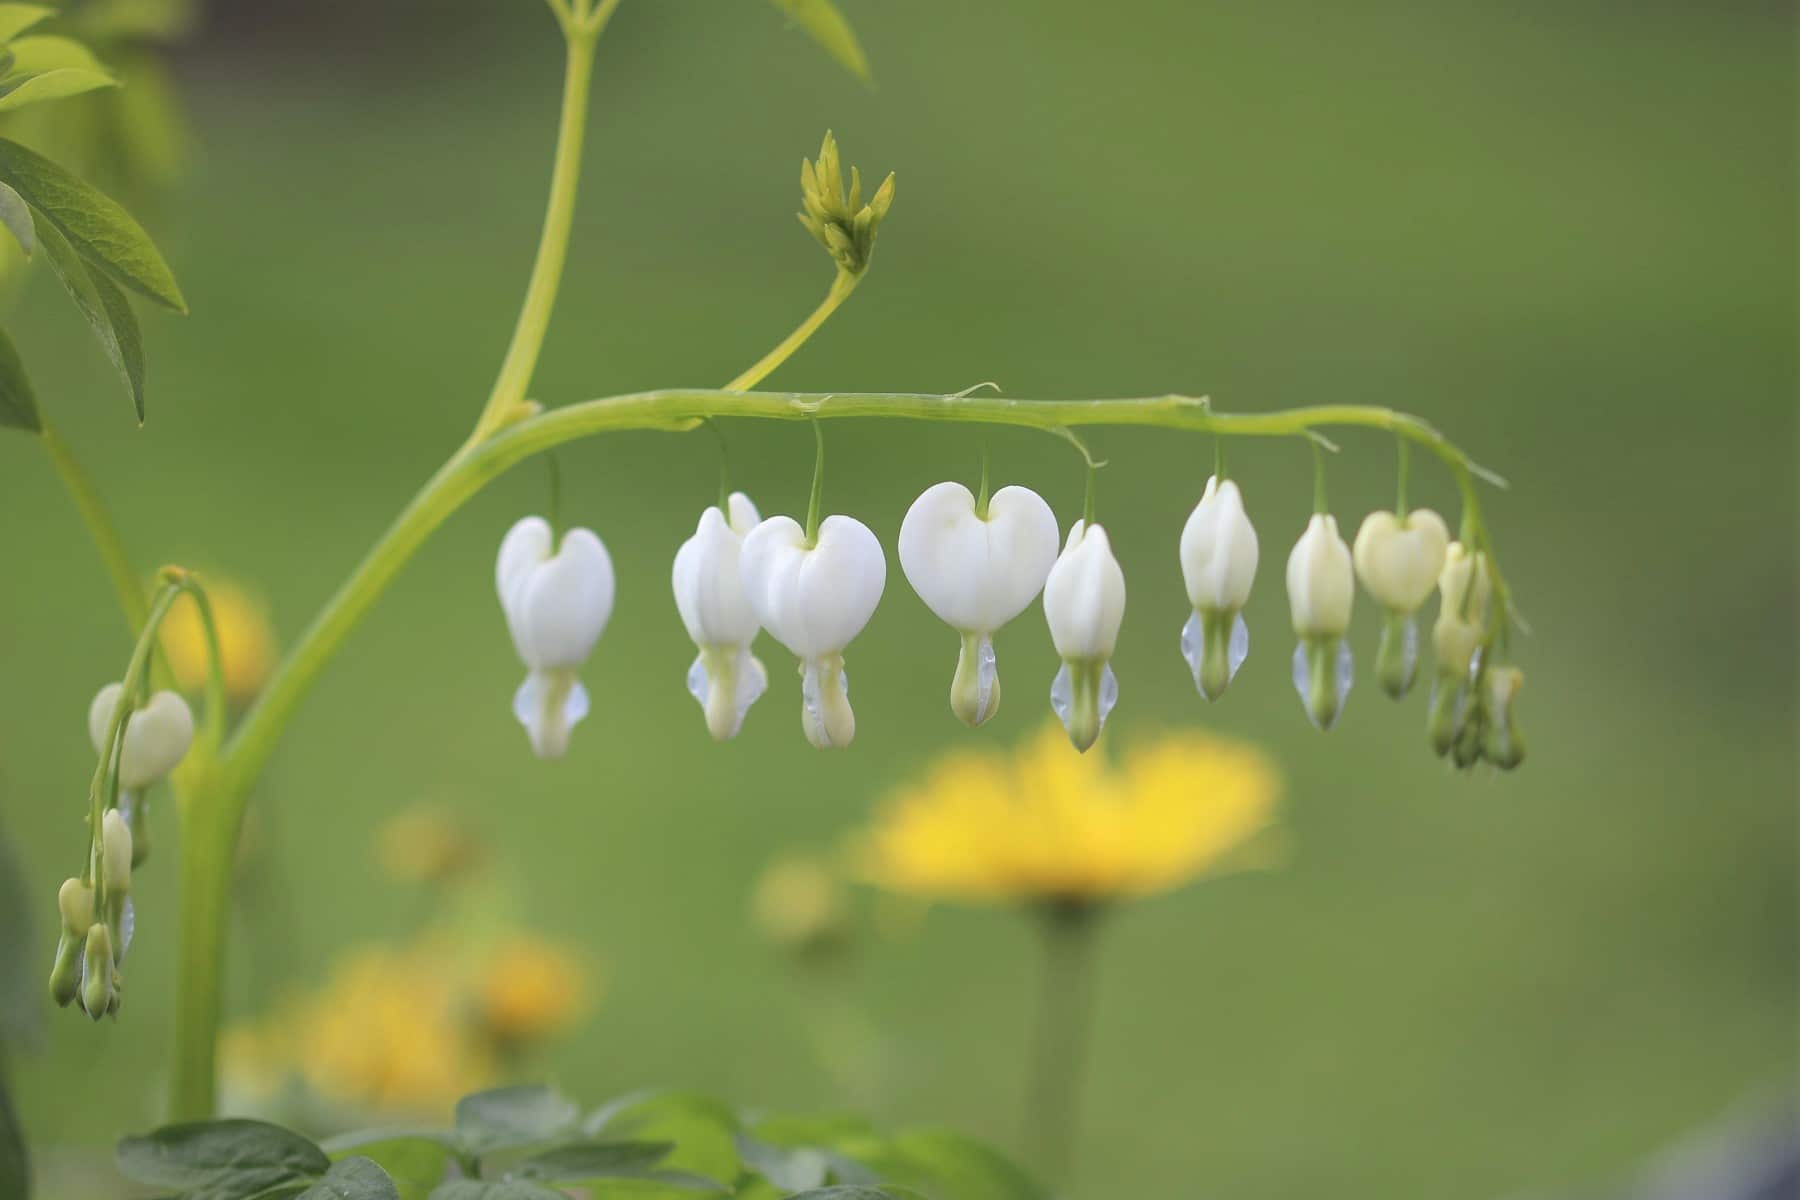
[(502, 1189), (821, 21), (50, 68), (857, 1191), (18, 403), (579, 1161), (353, 1179), (415, 1162), (15, 1166), (95, 225), (949, 1165), (791, 1170), (513, 1116), (107, 310), (208, 1152), (703, 1130), (17, 18), (15, 214)]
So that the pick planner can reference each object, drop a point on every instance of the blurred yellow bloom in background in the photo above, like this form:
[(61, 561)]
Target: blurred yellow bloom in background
[(529, 989), (799, 905), (405, 1030), (427, 843), (1042, 823), (246, 639)]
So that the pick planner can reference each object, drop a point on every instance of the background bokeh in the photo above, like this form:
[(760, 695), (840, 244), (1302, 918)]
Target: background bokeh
[(1564, 232)]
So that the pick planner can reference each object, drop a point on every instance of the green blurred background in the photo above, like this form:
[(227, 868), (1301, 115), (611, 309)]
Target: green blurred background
[(1564, 232)]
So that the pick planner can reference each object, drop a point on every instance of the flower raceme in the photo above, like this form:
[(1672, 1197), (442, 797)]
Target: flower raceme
[(1084, 603), (815, 596), (1218, 564), (977, 565), (709, 594), (1398, 558), (1321, 587), (557, 601)]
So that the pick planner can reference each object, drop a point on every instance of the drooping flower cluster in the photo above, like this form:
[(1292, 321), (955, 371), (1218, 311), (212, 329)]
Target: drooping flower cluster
[(138, 748), (977, 562)]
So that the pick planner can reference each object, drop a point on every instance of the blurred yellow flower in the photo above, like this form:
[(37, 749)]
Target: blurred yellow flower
[(246, 639), (798, 904), (1042, 823), (427, 844), (528, 989), (406, 1030)]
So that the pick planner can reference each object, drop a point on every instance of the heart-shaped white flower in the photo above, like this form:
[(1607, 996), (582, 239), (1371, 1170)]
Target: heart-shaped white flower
[(1399, 559), (556, 604), (709, 594), (814, 599), (1084, 604), (977, 573), (156, 738)]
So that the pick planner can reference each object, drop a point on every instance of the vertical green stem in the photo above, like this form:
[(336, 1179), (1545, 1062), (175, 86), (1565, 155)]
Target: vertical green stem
[(1065, 1021), (1403, 468), (553, 245), (209, 828), (124, 577), (1320, 504), (816, 500)]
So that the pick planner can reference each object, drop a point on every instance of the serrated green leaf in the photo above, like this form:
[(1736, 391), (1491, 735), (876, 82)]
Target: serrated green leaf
[(789, 1169), (15, 214), (18, 403), (513, 1116), (824, 24), (353, 1179), (579, 1161), (106, 308), (17, 18), (194, 1155), (102, 231), (941, 1162), (416, 1162), (50, 68)]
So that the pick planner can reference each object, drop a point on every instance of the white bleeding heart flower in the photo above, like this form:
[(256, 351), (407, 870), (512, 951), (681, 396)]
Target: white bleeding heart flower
[(157, 736), (977, 571), (557, 601), (1321, 586), (1218, 563), (709, 594), (1084, 604), (1398, 558), (814, 599)]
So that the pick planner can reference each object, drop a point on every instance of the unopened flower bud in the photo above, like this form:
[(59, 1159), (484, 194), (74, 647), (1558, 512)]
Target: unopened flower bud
[(75, 905), (98, 992), (556, 604), (815, 598), (976, 571), (1321, 588), (1084, 603), (1465, 590), (1218, 563), (156, 737), (1504, 745), (115, 852)]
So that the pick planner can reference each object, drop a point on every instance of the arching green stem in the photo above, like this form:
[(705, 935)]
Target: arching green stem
[(841, 286)]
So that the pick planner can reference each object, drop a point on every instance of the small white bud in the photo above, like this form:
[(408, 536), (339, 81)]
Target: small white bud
[(1219, 554), (115, 852), (1084, 604), (709, 594), (1320, 581)]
